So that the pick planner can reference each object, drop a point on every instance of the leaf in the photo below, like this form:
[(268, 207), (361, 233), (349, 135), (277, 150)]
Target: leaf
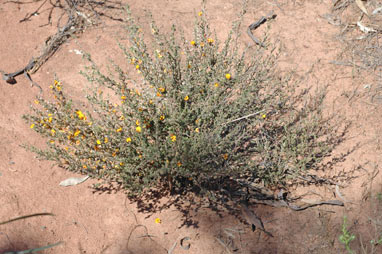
[(172, 248), (26, 216), (361, 6), (377, 10), (73, 181), (365, 29), (34, 250)]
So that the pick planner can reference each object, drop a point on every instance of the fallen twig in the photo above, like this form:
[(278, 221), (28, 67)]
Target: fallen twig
[(258, 23)]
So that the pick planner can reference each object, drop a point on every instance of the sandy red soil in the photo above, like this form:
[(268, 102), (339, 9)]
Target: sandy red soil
[(89, 222)]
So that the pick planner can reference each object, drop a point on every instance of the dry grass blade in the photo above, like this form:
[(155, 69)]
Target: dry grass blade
[(361, 6), (172, 247), (27, 216), (223, 244), (253, 220), (35, 249)]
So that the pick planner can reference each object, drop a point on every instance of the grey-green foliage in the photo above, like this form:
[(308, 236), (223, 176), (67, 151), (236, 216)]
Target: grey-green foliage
[(202, 114)]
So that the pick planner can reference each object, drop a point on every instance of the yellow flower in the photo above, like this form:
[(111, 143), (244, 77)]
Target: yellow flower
[(80, 115), (56, 82), (84, 166), (210, 40), (50, 119), (121, 163), (121, 118), (137, 66), (225, 156), (123, 97), (162, 117), (98, 142), (138, 129), (53, 132), (200, 13), (32, 126), (58, 88), (264, 116), (197, 130), (106, 140), (216, 84), (128, 139), (161, 89), (186, 98), (77, 133), (119, 129), (150, 101), (159, 94), (173, 138), (137, 122), (51, 141), (36, 102), (158, 221), (192, 43), (197, 121), (202, 45), (228, 76), (179, 164), (66, 148)]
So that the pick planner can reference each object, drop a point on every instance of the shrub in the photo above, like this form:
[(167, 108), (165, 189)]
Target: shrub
[(202, 117)]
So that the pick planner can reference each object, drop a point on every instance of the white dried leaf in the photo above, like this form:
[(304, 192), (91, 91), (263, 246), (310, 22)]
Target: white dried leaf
[(78, 52), (361, 6), (377, 10), (73, 181), (338, 193), (365, 29)]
